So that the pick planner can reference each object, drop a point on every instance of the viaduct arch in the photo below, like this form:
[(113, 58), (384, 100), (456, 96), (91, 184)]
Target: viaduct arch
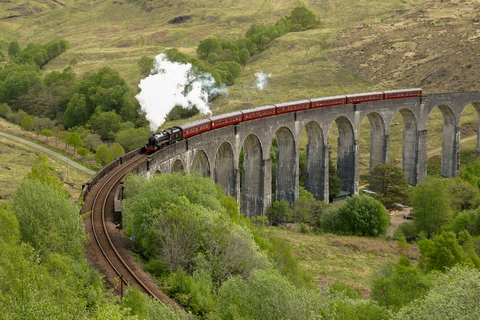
[(216, 154)]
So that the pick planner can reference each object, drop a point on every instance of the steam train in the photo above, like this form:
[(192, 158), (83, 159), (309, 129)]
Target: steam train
[(171, 135)]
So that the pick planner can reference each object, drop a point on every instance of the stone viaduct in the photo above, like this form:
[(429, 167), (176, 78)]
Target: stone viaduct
[(216, 154)]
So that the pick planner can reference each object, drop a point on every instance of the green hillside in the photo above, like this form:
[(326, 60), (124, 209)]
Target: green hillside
[(367, 46)]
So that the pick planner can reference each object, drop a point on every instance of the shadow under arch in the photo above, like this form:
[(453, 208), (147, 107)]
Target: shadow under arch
[(409, 145), (476, 106), (450, 134), (378, 140), (200, 164), (178, 166), (286, 166), (253, 176), (224, 169), (346, 153), (316, 161)]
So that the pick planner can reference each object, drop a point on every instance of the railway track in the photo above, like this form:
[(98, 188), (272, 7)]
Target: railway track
[(108, 248)]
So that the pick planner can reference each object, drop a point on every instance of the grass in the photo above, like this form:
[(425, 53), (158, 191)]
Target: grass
[(351, 260), (16, 161)]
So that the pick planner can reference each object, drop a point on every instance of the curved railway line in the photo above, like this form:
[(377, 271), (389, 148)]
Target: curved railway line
[(108, 248)]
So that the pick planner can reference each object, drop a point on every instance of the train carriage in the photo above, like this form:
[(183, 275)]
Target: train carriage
[(260, 112), (292, 106), (364, 97), (405, 93), (196, 127), (226, 119), (329, 101)]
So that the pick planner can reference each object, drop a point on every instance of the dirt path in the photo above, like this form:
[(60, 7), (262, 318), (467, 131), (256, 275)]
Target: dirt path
[(461, 140), (48, 151)]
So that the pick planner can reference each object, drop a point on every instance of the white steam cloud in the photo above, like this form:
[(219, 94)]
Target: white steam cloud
[(262, 80), (173, 84)]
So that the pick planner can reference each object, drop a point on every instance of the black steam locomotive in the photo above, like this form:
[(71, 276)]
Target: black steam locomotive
[(163, 138)]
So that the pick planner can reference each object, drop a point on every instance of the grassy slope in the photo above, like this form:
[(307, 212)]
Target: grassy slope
[(16, 161), (351, 260)]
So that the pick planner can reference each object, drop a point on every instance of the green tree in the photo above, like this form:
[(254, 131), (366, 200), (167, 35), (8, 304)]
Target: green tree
[(92, 141), (82, 151), (464, 196), (13, 49), (363, 215), (63, 136), (27, 123), (390, 185), (279, 212), (303, 19), (334, 181), (454, 295), (444, 251), (48, 222), (397, 286), (5, 110), (47, 133), (307, 209), (77, 112), (106, 124), (431, 205), (145, 64), (132, 138), (45, 173), (116, 150), (74, 141), (103, 155), (208, 46)]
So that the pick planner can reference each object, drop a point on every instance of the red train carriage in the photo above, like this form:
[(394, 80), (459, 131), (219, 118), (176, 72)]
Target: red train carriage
[(292, 106), (196, 127), (260, 112), (364, 97), (226, 119), (405, 93), (329, 101)]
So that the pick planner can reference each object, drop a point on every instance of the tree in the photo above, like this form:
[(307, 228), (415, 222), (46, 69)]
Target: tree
[(48, 222), (132, 138), (464, 196), (13, 49), (5, 110), (63, 136), (116, 150), (454, 295), (74, 141), (106, 124), (303, 19), (390, 185), (396, 286), (92, 141), (431, 205), (146, 65), (103, 155), (208, 46), (364, 216), (334, 181), (445, 251), (45, 173), (279, 212), (77, 112), (27, 123)]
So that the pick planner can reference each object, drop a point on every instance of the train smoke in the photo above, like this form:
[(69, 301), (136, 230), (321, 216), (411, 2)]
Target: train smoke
[(262, 80), (173, 84)]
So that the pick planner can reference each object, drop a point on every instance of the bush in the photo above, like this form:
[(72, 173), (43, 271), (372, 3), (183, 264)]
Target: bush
[(279, 212), (361, 215)]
